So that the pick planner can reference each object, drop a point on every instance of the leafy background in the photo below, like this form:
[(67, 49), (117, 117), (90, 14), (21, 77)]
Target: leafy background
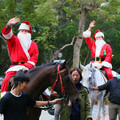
[(55, 22)]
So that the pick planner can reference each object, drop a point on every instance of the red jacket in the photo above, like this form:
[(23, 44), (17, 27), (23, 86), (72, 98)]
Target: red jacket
[(105, 51), (18, 53)]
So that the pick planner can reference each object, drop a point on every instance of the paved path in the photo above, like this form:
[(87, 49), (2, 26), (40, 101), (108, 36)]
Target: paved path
[(94, 113), (46, 116)]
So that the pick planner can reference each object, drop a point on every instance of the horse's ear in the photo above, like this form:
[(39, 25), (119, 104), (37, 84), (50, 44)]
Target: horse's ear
[(81, 66), (66, 62), (90, 65)]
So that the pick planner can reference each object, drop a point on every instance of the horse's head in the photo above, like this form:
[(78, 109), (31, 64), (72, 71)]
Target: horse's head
[(86, 74), (64, 84), (91, 76)]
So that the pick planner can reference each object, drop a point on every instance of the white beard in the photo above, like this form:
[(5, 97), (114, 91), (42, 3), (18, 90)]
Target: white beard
[(25, 40), (99, 44)]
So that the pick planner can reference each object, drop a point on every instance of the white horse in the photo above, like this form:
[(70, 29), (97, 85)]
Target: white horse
[(93, 77)]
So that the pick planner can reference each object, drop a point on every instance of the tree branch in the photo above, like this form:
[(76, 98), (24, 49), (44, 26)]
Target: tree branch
[(55, 54), (86, 58)]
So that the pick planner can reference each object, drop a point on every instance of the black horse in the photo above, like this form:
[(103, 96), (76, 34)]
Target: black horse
[(52, 74)]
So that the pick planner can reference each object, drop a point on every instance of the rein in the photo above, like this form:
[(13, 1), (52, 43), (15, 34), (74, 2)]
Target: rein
[(58, 76), (53, 86), (92, 77)]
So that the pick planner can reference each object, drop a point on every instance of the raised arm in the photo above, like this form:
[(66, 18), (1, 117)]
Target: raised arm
[(92, 24), (13, 21), (87, 33), (7, 30)]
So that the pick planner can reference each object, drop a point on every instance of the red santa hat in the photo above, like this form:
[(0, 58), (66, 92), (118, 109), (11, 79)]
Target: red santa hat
[(98, 33), (26, 26)]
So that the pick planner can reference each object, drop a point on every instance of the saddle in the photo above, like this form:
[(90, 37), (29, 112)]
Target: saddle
[(10, 83), (106, 80), (11, 80), (104, 74)]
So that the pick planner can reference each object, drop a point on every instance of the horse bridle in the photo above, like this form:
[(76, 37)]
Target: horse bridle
[(91, 82), (58, 76), (53, 86)]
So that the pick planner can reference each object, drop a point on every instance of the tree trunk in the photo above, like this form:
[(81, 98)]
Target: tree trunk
[(78, 43)]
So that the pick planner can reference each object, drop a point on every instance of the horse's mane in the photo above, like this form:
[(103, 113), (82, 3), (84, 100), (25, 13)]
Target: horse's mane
[(33, 70), (43, 66)]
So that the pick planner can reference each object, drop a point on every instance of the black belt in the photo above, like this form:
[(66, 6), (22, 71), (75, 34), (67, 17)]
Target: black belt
[(98, 59), (17, 63)]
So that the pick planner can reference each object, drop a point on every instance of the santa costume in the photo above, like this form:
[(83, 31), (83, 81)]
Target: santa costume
[(101, 52), (22, 50)]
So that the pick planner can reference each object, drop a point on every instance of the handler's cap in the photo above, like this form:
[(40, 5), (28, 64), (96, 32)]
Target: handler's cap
[(26, 26), (98, 33)]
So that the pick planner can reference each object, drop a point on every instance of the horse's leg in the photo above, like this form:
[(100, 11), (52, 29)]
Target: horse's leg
[(99, 108), (92, 104), (33, 114), (103, 108)]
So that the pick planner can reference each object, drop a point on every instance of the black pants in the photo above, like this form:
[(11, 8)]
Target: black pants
[(74, 117)]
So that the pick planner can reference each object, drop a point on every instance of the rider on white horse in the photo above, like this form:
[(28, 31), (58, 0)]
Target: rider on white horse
[(101, 52)]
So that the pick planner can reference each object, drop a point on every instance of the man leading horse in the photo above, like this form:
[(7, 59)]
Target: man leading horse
[(101, 52)]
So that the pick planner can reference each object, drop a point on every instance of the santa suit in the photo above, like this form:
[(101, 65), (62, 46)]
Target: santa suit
[(20, 56), (100, 49)]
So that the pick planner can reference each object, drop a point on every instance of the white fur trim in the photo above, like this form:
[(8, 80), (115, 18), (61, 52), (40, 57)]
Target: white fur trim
[(99, 34), (114, 73), (46, 92), (26, 52), (106, 64), (16, 68), (31, 62), (95, 64), (87, 33), (24, 26), (2, 94), (9, 35)]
